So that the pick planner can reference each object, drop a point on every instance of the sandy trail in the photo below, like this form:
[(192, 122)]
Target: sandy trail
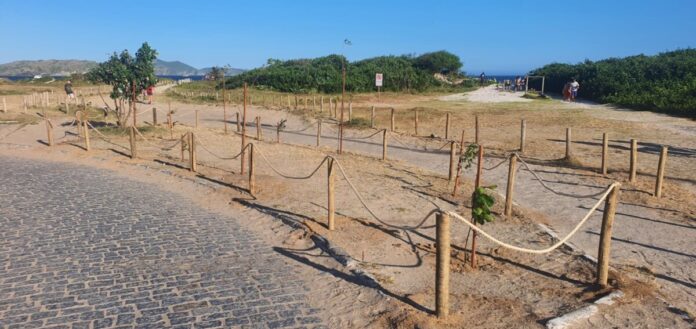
[(645, 238)]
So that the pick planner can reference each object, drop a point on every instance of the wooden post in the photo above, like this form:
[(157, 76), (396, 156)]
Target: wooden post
[(660, 172), (415, 121), (479, 172), (350, 110), (510, 185), (184, 141), (243, 150), (252, 178), (238, 122), (321, 104), (196, 126), (192, 152), (133, 146), (605, 152), (372, 118), (49, 130), (86, 129), (447, 125), (453, 161), (476, 137), (330, 189), (634, 161), (543, 82), (278, 134), (605, 236), (318, 132), (523, 134), (4, 105), (154, 116), (384, 144), (569, 150), (392, 120), (442, 268), (258, 128)]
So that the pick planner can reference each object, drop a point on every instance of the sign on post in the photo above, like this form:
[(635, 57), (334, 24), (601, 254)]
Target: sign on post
[(378, 83)]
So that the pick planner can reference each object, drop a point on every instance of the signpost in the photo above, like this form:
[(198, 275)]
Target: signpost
[(378, 83)]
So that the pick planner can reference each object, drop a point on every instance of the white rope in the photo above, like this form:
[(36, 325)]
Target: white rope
[(536, 251), (541, 181)]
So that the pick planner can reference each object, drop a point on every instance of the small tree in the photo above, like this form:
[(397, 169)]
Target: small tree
[(216, 73), (128, 76)]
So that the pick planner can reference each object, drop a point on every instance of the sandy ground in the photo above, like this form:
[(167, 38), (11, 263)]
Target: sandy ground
[(539, 287), (487, 95)]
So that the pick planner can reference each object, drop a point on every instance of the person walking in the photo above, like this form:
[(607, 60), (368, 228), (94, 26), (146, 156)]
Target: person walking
[(482, 78), (574, 87), (68, 90)]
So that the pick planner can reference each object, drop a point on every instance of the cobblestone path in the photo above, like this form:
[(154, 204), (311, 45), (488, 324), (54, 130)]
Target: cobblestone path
[(83, 248)]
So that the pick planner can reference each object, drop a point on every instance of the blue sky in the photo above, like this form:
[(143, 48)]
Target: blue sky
[(495, 36)]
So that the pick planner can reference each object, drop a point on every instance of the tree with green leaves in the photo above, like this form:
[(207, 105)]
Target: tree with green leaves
[(216, 73), (128, 76)]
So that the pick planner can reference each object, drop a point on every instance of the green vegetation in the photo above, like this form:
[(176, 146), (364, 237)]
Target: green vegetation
[(323, 74), (663, 83), (482, 201)]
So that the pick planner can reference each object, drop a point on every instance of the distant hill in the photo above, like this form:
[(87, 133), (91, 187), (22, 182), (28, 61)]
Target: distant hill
[(66, 67)]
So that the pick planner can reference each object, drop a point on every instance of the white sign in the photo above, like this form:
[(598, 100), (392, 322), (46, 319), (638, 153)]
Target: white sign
[(378, 79)]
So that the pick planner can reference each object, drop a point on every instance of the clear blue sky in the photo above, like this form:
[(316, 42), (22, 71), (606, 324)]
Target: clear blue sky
[(495, 36)]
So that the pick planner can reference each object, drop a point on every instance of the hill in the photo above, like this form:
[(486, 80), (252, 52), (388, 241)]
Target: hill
[(54, 67), (665, 82), (323, 74)]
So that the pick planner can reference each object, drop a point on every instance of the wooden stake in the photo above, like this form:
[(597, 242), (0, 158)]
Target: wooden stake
[(415, 121), (330, 190), (568, 151), (384, 144), (510, 185), (318, 132), (350, 110), (523, 134), (392, 120), (321, 104), (244, 93), (634, 161), (184, 141), (661, 172), (192, 152), (4, 105), (86, 129), (447, 126), (258, 128), (154, 116), (49, 130), (461, 144), (196, 125), (252, 178), (442, 268), (605, 153), (238, 128), (453, 161), (133, 146), (479, 172), (605, 236)]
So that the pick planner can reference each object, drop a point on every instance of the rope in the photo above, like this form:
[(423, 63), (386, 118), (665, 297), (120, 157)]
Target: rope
[(12, 132), (497, 165), (147, 141), (366, 137), (263, 156), (541, 181), (301, 130), (218, 156), (536, 251), (106, 139)]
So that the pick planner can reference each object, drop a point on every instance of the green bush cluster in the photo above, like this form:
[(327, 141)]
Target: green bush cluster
[(323, 74), (663, 83)]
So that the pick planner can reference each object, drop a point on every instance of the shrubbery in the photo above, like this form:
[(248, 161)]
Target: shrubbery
[(663, 83), (323, 74)]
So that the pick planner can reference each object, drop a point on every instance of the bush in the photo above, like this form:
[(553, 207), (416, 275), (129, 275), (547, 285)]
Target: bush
[(663, 83)]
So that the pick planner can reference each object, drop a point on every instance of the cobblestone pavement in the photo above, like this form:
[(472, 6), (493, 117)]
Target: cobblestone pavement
[(82, 248)]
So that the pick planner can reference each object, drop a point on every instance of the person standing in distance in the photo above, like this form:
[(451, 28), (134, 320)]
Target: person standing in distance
[(69, 90), (482, 78), (574, 87)]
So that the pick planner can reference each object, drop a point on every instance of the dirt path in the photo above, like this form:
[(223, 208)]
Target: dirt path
[(647, 239)]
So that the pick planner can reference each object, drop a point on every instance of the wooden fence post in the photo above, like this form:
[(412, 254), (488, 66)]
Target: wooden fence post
[(318, 132), (4, 105), (479, 172), (133, 146), (660, 172), (196, 126), (321, 104), (372, 118), (184, 141), (447, 125), (510, 185), (278, 134), (605, 236), (392, 120), (442, 268), (192, 152), (634, 161), (252, 178), (453, 161), (49, 130), (86, 129), (605, 153), (415, 121), (154, 116), (330, 189), (238, 129), (384, 144), (476, 137), (350, 110), (523, 135), (568, 148), (258, 128)]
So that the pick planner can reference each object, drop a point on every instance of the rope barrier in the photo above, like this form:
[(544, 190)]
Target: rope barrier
[(541, 181), (106, 139), (218, 156), (263, 156), (537, 251), (310, 125), (365, 137), (147, 141)]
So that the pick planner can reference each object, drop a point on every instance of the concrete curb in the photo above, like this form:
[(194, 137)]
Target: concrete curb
[(576, 316)]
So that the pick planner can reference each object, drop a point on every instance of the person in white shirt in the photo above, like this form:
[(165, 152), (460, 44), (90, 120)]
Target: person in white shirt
[(574, 87)]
